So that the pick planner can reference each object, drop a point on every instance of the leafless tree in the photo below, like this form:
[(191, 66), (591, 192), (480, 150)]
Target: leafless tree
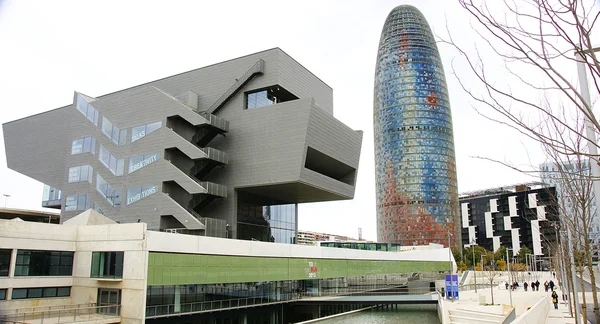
[(491, 274), (535, 42)]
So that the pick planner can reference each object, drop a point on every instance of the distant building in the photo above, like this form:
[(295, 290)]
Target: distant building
[(512, 216), (30, 215), (551, 173), (311, 238)]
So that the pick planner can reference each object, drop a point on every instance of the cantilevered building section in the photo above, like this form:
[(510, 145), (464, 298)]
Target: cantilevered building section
[(417, 197), (228, 150)]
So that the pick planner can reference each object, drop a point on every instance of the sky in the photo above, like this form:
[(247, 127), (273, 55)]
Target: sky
[(49, 49)]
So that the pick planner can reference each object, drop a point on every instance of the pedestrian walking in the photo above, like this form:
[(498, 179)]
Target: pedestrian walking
[(551, 284), (546, 285), (525, 285), (537, 285), (532, 286), (555, 299)]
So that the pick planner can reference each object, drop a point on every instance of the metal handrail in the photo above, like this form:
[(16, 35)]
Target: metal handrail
[(65, 315), (42, 308), (205, 306)]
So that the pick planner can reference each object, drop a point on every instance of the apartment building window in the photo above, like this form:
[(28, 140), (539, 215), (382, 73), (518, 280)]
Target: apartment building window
[(4, 262), (43, 292), (44, 263), (87, 110), (107, 265), (81, 173), (118, 136), (77, 202), (83, 145), (269, 96)]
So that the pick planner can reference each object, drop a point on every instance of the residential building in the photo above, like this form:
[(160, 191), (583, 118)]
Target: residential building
[(574, 187), (511, 216), (91, 268), (415, 166), (311, 238), (228, 150)]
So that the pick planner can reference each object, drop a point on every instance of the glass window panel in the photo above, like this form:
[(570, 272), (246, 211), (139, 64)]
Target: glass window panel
[(101, 185), (82, 202), (137, 133), (152, 127), (117, 198), (19, 293), (120, 167), (63, 291), (96, 115), (71, 203), (135, 163), (81, 104), (74, 174), (49, 292), (123, 137), (106, 126), (104, 156), (115, 135), (2, 294), (113, 164), (87, 144), (77, 147), (91, 113)]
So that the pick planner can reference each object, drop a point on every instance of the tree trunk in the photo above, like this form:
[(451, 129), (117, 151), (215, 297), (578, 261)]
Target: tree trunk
[(492, 289), (583, 303), (571, 300)]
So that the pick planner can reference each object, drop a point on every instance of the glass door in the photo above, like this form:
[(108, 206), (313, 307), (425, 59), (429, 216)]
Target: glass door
[(109, 297)]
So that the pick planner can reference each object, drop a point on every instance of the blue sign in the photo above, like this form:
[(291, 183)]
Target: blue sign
[(452, 286)]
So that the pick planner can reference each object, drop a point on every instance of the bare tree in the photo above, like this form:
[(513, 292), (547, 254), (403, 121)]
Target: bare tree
[(490, 274), (536, 42)]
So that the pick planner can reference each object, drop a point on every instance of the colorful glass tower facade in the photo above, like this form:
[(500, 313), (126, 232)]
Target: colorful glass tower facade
[(415, 169)]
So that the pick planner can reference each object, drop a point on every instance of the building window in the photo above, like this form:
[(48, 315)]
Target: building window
[(112, 195), (138, 162), (118, 136), (136, 194), (4, 262), (115, 165), (77, 202), (83, 145), (269, 96), (2, 294), (43, 263), (81, 173), (107, 265), (265, 219), (143, 130), (44, 292), (86, 109)]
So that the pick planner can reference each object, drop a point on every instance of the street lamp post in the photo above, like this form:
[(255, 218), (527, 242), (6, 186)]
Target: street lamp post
[(509, 278), (451, 268), (474, 270), (6, 196)]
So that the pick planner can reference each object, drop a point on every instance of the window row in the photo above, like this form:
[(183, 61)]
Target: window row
[(118, 136), (116, 166), (112, 196), (44, 263), (81, 173), (25, 293), (77, 202), (83, 145), (86, 109)]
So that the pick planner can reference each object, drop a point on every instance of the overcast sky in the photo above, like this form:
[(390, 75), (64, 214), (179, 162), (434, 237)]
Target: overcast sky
[(48, 49)]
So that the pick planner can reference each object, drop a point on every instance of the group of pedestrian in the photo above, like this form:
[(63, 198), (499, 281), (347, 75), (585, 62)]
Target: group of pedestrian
[(549, 285), (535, 286)]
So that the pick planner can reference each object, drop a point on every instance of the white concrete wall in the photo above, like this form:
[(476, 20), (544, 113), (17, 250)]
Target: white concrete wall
[(83, 240), (177, 243), (536, 314)]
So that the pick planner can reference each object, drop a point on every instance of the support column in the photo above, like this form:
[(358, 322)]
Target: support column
[(177, 301)]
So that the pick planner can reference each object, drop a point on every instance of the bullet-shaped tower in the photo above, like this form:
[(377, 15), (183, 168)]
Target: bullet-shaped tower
[(415, 168)]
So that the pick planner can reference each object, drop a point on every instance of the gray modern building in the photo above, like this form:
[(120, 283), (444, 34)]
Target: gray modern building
[(227, 150)]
